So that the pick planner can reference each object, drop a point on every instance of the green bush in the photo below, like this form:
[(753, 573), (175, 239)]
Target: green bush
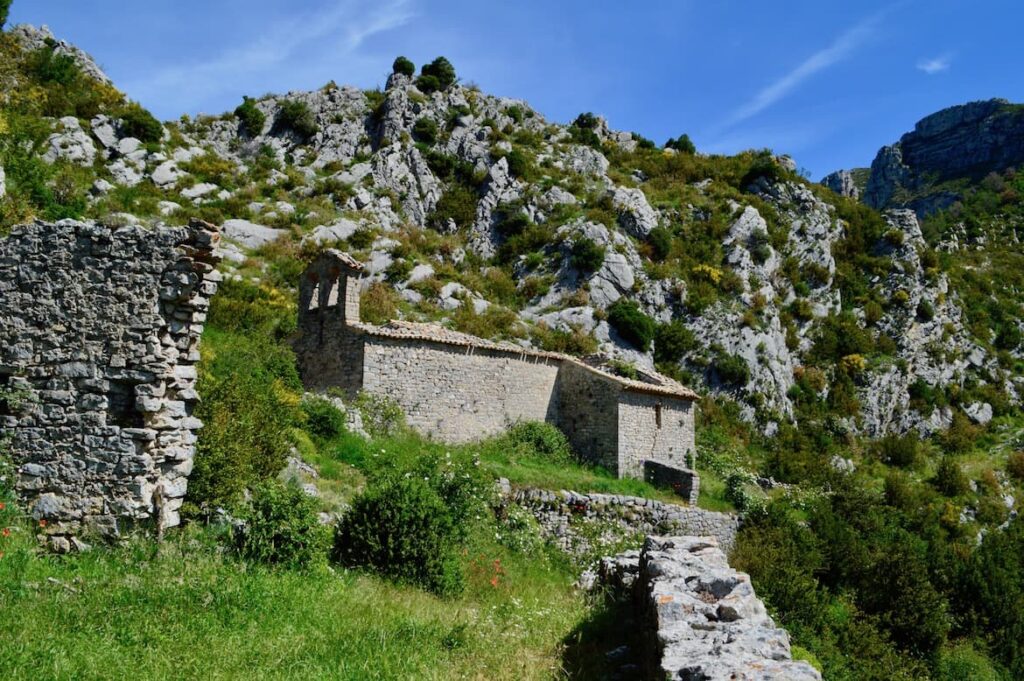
[(425, 130), (586, 121), (899, 451), (541, 439), (140, 124), (282, 528), (428, 84), (660, 240), (632, 324), (458, 204), (925, 311), (1015, 466), (323, 419), (587, 256), (672, 341), (251, 117), (519, 164), (382, 417), (731, 369), (296, 116), (403, 529), (964, 663), (950, 479), (49, 67), (683, 144), (5, 8), (403, 66), (442, 70)]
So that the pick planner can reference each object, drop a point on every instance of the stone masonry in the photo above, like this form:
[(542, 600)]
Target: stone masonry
[(99, 329), (459, 388), (700, 619)]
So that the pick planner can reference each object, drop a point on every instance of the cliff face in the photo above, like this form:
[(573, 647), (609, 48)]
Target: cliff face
[(960, 143)]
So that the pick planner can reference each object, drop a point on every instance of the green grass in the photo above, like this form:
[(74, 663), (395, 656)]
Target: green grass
[(186, 610)]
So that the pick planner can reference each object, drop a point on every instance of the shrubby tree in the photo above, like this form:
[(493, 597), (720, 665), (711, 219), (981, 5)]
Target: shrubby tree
[(403, 66), (250, 116), (5, 8), (632, 324), (437, 75), (683, 144)]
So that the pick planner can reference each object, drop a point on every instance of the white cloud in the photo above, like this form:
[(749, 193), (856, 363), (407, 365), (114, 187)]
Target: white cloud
[(341, 28), (935, 65), (841, 48)]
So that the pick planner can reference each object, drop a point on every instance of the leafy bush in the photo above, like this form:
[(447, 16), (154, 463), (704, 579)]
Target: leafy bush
[(5, 8), (457, 204), (519, 164), (282, 528), (137, 122), (683, 144), (425, 130), (731, 368), (296, 116), (660, 240), (251, 117), (402, 528), (632, 324), (1015, 466), (899, 451), (587, 256), (382, 417), (323, 419), (442, 70), (961, 435), (428, 84), (586, 121), (541, 439), (950, 479), (403, 66), (925, 311), (378, 304), (672, 341)]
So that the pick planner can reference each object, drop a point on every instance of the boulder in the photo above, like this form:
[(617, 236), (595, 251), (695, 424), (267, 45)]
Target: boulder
[(249, 234), (70, 143)]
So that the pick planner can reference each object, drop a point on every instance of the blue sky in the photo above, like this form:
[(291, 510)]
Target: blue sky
[(826, 82)]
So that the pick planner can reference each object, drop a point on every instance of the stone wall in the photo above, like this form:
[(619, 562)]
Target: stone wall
[(460, 394), (587, 406), (100, 328), (700, 618), (555, 512), (652, 428)]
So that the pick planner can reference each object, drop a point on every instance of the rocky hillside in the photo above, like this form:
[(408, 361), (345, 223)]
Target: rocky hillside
[(948, 151), (731, 273)]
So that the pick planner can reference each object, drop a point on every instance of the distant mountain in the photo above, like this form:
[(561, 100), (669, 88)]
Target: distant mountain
[(928, 169)]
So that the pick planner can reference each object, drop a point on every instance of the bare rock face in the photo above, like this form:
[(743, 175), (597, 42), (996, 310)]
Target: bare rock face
[(842, 183), (33, 38), (966, 141), (70, 143), (635, 214)]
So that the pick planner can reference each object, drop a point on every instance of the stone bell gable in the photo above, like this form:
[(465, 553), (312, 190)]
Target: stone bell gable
[(458, 388)]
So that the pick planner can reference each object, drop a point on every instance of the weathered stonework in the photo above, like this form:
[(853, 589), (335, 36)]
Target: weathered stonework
[(100, 328), (556, 510), (701, 619), (459, 388)]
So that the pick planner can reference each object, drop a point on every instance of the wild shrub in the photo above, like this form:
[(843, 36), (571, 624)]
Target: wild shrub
[(378, 304), (428, 84), (250, 116), (731, 369), (425, 130), (323, 419), (403, 66), (296, 116), (1015, 466), (282, 528), (901, 451), (137, 122), (961, 435), (660, 240), (950, 479), (382, 417), (457, 204), (442, 70), (672, 341), (519, 164), (628, 319), (402, 528), (540, 439), (683, 144), (587, 256), (925, 311), (5, 8)]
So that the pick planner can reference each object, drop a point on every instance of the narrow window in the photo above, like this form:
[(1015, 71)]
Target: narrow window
[(314, 300), (657, 415)]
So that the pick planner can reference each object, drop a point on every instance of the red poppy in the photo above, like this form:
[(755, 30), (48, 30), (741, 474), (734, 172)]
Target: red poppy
[(2, 505), (494, 581), (42, 523), (6, 532)]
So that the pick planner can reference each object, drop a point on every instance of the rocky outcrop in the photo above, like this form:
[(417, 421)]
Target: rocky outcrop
[(700, 618), (961, 142), (33, 38), (842, 183)]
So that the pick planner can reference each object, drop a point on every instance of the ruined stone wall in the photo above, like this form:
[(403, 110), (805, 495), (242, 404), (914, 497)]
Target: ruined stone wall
[(329, 353), (653, 428), (459, 394), (587, 413), (100, 328), (556, 512)]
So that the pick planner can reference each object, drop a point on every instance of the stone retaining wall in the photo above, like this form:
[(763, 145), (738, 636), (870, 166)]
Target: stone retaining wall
[(555, 511), (701, 619), (99, 329)]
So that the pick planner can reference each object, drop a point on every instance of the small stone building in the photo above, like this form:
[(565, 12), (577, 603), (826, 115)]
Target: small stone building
[(457, 388)]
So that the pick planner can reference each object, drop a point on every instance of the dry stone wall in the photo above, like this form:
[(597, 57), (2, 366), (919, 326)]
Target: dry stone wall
[(557, 511), (652, 428), (99, 328)]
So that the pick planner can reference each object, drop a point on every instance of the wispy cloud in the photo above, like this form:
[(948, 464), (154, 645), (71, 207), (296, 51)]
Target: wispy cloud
[(841, 48), (341, 29), (935, 64)]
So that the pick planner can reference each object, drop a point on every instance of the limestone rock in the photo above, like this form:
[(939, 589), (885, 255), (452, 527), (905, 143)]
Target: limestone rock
[(635, 214), (70, 143), (249, 234)]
